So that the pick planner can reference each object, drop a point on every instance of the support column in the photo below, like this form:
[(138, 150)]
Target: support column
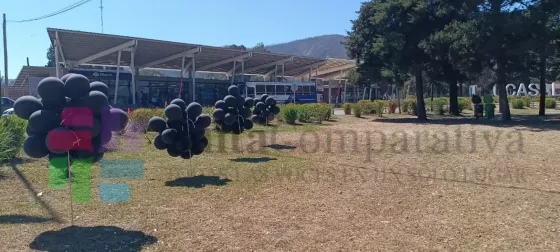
[(133, 80), (282, 72), (193, 80), (56, 62), (117, 79), (310, 71), (243, 76), (233, 73)]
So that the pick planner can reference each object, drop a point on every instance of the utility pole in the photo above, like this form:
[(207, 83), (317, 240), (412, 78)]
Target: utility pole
[(101, 7), (5, 89)]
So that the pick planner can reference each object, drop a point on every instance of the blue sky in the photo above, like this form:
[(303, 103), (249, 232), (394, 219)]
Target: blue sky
[(206, 22)]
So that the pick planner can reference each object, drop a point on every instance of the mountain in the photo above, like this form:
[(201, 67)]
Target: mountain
[(319, 47)]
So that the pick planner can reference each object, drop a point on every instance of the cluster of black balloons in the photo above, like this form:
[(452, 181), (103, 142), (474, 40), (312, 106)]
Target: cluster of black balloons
[(72, 117), (182, 134), (233, 112), (265, 110)]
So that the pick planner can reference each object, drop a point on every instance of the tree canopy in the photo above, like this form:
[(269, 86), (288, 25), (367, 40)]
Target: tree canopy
[(455, 41)]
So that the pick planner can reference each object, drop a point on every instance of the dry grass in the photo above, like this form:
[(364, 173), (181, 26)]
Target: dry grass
[(309, 195)]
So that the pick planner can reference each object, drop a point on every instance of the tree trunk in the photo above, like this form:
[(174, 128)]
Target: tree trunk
[(452, 81), (504, 105), (432, 96), (542, 83), (421, 107), (398, 99)]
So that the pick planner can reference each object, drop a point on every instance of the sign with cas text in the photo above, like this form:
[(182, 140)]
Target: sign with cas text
[(526, 90)]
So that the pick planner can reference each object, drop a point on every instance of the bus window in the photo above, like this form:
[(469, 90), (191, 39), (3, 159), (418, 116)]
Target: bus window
[(313, 89), (270, 89), (250, 91), (306, 90), (280, 90), (260, 89)]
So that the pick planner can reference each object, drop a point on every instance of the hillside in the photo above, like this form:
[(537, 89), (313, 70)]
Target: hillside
[(319, 47)]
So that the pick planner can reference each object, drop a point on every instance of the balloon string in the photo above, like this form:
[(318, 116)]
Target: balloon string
[(239, 126), (70, 183)]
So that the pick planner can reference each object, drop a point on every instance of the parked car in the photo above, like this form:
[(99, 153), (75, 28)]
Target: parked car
[(7, 112), (6, 103)]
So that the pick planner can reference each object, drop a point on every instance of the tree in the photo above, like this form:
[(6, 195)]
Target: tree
[(237, 47), (544, 24), (50, 57), (260, 48)]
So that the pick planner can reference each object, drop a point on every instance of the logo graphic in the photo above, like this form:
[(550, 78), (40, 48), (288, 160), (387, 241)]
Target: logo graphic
[(80, 140)]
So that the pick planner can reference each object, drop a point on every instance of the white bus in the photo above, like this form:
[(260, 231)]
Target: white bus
[(306, 92)]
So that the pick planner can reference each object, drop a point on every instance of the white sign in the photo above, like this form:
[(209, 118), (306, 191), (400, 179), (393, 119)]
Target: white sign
[(522, 90)]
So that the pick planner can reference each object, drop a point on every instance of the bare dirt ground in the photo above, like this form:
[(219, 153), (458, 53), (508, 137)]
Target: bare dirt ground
[(448, 185)]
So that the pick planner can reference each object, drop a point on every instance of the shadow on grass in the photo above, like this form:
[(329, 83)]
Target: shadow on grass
[(280, 146), (253, 160), (99, 238), (198, 181), (22, 219), (530, 122)]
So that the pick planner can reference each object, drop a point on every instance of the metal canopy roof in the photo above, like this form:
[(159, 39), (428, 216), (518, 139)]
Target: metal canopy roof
[(77, 47)]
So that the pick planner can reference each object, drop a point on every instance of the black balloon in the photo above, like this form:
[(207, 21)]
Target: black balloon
[(159, 144), (233, 90), (229, 119), (194, 110), (76, 86), (169, 136), (51, 89), (99, 86), (156, 124), (230, 100), (230, 113), (265, 110), (221, 105), (186, 155), (96, 101), (184, 144), (173, 112), (65, 77), (248, 124), (249, 102), (203, 120), (26, 105), (179, 103), (182, 128), (35, 147), (43, 120), (72, 119)]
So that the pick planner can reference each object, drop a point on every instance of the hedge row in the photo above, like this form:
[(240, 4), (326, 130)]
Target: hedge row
[(308, 113), (12, 136)]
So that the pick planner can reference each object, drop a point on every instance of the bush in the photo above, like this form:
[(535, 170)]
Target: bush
[(347, 108), (303, 115), (526, 101), (550, 103), (210, 110), (517, 103), (392, 106), (462, 104), (357, 109), (289, 113), (314, 112), (412, 108), (367, 107), (12, 136), (496, 99), (439, 106), (468, 104), (379, 106), (138, 121), (404, 106)]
